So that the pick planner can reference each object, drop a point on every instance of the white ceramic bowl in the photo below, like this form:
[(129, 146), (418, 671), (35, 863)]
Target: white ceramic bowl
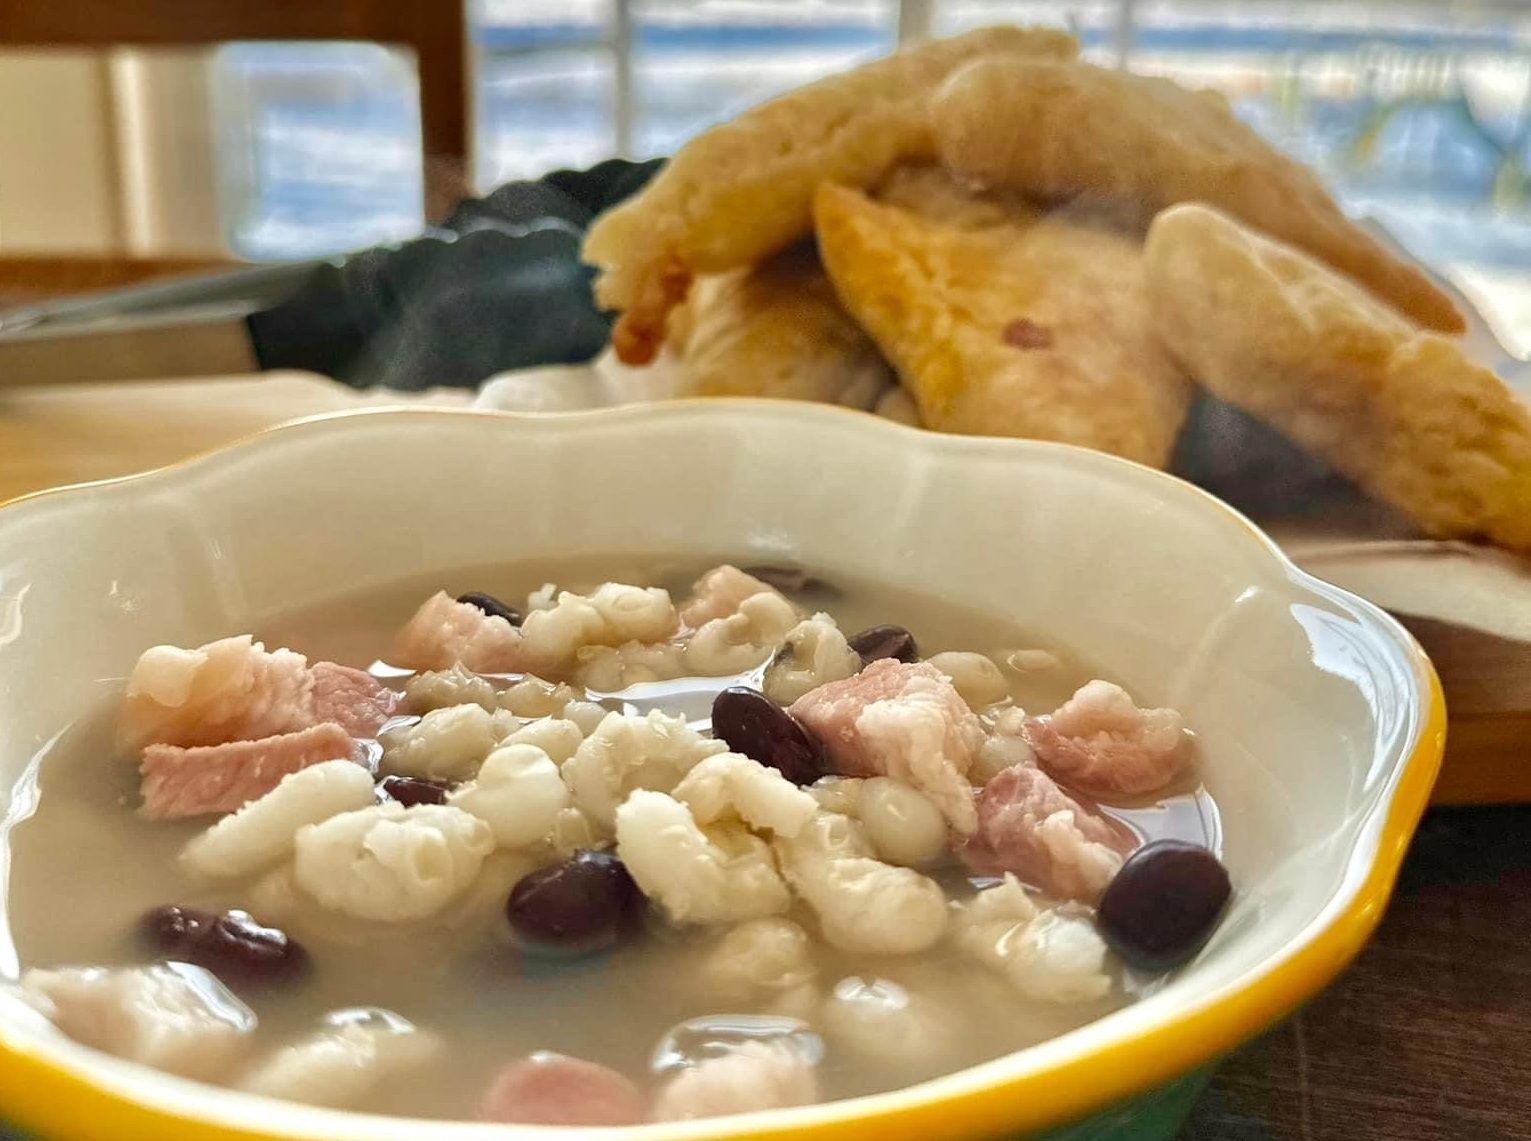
[(1319, 719)]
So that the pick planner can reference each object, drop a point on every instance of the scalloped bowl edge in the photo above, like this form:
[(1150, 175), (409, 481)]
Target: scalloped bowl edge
[(60, 1090)]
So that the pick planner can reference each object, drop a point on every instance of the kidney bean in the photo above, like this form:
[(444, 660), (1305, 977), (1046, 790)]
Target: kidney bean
[(233, 945), (491, 606), (173, 927), (414, 790), (586, 903), (885, 642), (1164, 904), (748, 722)]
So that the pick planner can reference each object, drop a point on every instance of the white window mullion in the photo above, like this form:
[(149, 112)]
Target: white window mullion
[(915, 20), (1125, 28), (622, 110)]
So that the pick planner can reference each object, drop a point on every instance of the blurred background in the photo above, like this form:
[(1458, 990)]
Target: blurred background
[(268, 132)]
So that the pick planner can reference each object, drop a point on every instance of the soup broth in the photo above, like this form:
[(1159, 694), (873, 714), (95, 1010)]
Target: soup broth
[(85, 866)]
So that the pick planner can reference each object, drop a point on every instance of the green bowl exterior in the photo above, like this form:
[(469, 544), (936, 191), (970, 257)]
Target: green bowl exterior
[(1157, 1115)]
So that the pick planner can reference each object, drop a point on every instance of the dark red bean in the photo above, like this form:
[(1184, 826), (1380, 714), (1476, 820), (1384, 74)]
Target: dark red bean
[(748, 722), (491, 606), (1164, 904), (885, 642), (234, 945), (414, 790), (171, 927), (789, 580), (584, 904)]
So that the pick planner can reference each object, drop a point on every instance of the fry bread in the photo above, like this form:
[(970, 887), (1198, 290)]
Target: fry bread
[(742, 191), (775, 329), (933, 193), (1026, 328), (1055, 130), (1403, 413)]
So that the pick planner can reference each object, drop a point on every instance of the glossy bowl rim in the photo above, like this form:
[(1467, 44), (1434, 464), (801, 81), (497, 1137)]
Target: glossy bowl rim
[(56, 1101)]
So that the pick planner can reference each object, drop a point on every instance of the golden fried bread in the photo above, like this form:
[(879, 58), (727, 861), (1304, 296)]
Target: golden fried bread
[(741, 191), (934, 193), (774, 329), (1402, 412), (1026, 328), (1056, 130)]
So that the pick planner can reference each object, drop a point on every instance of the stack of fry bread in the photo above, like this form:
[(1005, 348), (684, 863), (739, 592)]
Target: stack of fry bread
[(986, 235)]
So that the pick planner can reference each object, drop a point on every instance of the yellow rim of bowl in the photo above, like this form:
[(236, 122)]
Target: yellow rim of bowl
[(57, 1105)]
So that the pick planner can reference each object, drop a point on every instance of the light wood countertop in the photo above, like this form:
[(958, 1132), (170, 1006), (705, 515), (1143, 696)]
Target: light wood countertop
[(56, 435)]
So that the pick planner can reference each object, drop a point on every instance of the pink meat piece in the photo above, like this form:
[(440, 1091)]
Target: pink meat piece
[(831, 710), (718, 593), (1029, 826), (445, 632), (902, 720), (222, 778), (551, 1089), (1104, 745), (352, 699), (228, 690), (235, 690)]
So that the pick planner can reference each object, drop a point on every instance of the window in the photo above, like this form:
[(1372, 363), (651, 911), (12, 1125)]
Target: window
[(318, 147)]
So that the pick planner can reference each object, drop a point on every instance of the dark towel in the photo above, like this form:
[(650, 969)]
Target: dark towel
[(499, 285)]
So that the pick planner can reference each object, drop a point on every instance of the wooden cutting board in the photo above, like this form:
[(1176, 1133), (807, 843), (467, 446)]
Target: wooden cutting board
[(1470, 608)]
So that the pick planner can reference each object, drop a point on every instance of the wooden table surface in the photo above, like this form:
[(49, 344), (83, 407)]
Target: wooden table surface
[(53, 435), (1427, 1037)]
